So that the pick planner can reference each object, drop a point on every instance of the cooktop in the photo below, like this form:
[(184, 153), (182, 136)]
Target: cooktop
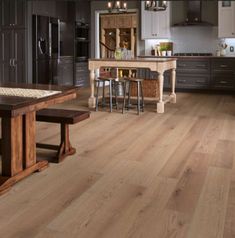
[(193, 54)]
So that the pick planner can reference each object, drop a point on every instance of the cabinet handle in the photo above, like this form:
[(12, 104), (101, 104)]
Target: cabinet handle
[(10, 62), (223, 66), (181, 80), (182, 65), (223, 82), (13, 62), (201, 66), (200, 81)]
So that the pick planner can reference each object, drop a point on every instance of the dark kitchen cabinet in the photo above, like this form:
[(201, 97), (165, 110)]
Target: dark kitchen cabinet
[(83, 10), (62, 10), (82, 74), (223, 74), (193, 73), (12, 41), (44, 8), (192, 81), (12, 55), (65, 72), (12, 13)]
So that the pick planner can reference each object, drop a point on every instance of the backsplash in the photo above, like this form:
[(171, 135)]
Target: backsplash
[(194, 40)]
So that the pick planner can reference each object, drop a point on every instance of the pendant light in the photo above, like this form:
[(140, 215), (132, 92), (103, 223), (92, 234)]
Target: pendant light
[(117, 6), (155, 5)]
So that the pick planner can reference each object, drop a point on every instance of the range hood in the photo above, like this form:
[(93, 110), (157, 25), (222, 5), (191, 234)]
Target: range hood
[(194, 15)]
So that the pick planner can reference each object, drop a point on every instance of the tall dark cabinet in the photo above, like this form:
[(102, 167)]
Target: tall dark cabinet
[(12, 41), (82, 43)]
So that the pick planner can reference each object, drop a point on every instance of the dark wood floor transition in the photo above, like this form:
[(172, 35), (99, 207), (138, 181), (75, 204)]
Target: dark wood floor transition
[(166, 175)]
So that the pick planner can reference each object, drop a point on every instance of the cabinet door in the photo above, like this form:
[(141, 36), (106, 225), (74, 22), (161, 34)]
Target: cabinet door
[(146, 23), (108, 22), (65, 73), (18, 59), (44, 8), (223, 81), (5, 13), (18, 15), (226, 22), (82, 74), (155, 24), (61, 10), (12, 13), (5, 55)]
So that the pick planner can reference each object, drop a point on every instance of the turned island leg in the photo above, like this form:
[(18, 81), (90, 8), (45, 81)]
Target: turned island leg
[(160, 104), (91, 100), (173, 95)]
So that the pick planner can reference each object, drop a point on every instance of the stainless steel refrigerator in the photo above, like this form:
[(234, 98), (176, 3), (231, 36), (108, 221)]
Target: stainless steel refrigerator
[(46, 49)]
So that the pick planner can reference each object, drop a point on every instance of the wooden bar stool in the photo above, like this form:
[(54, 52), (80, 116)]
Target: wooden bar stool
[(127, 88), (112, 85)]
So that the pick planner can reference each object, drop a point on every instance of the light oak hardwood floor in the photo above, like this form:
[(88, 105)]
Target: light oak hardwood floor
[(168, 175)]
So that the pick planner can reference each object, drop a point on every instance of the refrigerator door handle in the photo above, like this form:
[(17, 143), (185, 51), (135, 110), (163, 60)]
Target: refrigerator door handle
[(50, 40), (58, 59)]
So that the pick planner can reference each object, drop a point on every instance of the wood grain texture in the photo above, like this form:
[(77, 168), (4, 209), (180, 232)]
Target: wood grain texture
[(29, 121), (12, 146), (154, 176)]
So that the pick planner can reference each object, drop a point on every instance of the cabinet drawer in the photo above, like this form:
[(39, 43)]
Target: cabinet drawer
[(81, 71), (223, 65), (190, 81), (223, 82), (82, 66), (66, 61), (202, 66)]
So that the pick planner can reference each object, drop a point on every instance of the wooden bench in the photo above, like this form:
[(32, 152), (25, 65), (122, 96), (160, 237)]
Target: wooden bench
[(64, 118)]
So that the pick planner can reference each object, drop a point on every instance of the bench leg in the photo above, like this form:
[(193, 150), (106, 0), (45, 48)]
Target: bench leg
[(65, 147)]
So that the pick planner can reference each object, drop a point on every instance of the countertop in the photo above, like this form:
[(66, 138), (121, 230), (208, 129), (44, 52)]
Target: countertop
[(188, 57), (140, 59)]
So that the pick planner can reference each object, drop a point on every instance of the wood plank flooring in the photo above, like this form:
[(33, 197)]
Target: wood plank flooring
[(166, 175)]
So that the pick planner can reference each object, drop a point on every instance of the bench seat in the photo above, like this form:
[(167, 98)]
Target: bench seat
[(65, 118)]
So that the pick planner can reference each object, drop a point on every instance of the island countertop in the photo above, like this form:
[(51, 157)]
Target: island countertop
[(138, 59)]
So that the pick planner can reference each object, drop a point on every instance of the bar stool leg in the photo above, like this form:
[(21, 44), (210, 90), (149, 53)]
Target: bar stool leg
[(116, 89), (129, 95), (124, 97), (142, 95), (103, 97), (97, 95), (110, 96), (138, 98)]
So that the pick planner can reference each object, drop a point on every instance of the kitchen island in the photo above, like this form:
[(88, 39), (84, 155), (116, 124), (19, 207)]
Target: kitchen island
[(159, 65)]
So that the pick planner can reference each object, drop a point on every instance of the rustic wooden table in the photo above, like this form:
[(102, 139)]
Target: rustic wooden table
[(18, 145), (159, 65)]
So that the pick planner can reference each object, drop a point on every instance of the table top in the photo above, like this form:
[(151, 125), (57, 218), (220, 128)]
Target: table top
[(14, 105), (137, 59)]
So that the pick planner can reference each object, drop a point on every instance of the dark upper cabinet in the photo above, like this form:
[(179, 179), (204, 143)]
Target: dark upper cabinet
[(5, 55), (12, 13), (83, 11), (62, 10), (57, 9), (44, 8), (12, 55)]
